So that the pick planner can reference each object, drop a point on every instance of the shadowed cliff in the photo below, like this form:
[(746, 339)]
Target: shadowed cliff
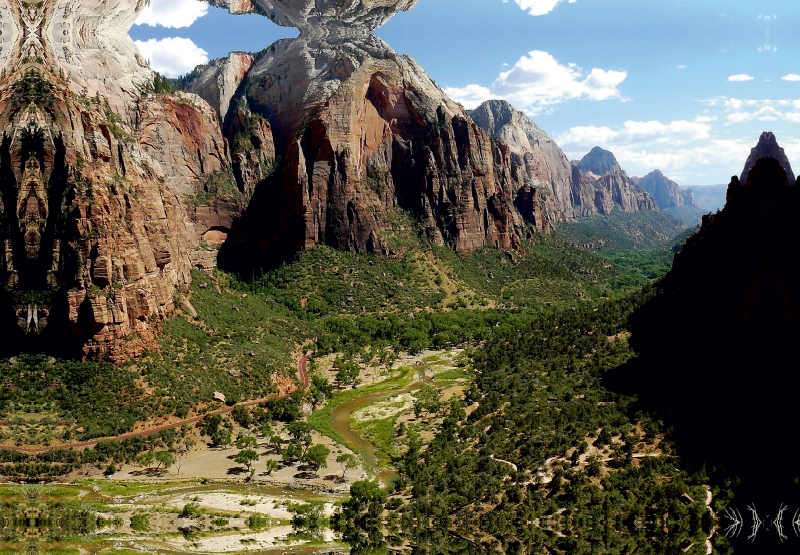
[(718, 341)]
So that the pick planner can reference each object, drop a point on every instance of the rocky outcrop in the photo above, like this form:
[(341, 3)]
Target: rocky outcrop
[(364, 139), (666, 192), (599, 162), (95, 170), (568, 192), (219, 81), (182, 133), (546, 167), (767, 147)]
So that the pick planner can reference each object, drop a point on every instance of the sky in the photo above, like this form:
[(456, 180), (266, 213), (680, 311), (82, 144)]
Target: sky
[(685, 86)]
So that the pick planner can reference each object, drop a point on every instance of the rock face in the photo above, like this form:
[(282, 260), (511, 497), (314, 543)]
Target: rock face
[(599, 162), (767, 147), (95, 171), (568, 192), (737, 278), (365, 139), (666, 192)]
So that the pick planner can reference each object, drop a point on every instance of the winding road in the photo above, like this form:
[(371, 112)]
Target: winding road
[(302, 376)]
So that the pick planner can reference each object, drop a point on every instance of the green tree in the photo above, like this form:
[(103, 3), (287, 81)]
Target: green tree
[(347, 461), (248, 442), (317, 457), (291, 453), (241, 415), (247, 457), (165, 458), (298, 430), (347, 371), (272, 465), (359, 521)]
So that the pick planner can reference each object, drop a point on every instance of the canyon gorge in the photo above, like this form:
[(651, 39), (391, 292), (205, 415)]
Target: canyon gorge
[(115, 187)]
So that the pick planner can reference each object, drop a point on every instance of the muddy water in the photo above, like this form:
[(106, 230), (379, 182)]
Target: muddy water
[(340, 420)]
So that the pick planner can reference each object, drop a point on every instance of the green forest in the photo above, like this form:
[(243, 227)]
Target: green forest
[(534, 455)]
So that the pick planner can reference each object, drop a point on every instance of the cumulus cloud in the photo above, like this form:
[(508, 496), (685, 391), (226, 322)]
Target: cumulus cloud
[(539, 7), (538, 80), (740, 77), (582, 139), (793, 77), (172, 56), (749, 110), (172, 13), (470, 96)]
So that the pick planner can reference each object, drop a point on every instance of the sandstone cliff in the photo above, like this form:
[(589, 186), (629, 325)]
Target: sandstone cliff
[(666, 192), (599, 162), (365, 139), (569, 192), (96, 171)]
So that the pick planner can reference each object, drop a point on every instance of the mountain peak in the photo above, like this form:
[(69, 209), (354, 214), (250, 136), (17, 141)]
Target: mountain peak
[(767, 147), (599, 162)]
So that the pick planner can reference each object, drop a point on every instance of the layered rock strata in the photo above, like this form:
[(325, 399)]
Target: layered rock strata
[(94, 172), (569, 192), (666, 192), (364, 137)]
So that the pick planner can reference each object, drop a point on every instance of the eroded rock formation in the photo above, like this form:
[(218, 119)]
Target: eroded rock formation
[(364, 138), (94, 173), (570, 192), (666, 192), (767, 147)]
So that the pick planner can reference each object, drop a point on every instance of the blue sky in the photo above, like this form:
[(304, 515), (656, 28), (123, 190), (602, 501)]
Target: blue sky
[(680, 85)]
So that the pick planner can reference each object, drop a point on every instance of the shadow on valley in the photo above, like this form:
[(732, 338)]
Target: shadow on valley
[(717, 351)]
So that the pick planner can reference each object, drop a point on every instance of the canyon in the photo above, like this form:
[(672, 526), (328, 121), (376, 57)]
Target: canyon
[(122, 184)]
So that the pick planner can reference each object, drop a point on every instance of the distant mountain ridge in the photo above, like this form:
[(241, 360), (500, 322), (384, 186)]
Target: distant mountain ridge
[(599, 162), (569, 192)]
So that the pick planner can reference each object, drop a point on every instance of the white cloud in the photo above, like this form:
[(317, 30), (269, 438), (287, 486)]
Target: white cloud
[(748, 110), (172, 13), (793, 77), (172, 56), (539, 7), (470, 96), (682, 66), (634, 133), (538, 80), (740, 77)]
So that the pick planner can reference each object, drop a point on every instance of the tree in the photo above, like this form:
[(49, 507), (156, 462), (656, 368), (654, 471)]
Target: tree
[(247, 457), (298, 430), (347, 461), (183, 450), (165, 458), (222, 437), (266, 430), (147, 458), (272, 465), (348, 371), (291, 452), (275, 441), (359, 519), (248, 442), (241, 415), (317, 457)]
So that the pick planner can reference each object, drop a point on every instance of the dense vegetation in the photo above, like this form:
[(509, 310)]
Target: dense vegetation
[(624, 232), (547, 460)]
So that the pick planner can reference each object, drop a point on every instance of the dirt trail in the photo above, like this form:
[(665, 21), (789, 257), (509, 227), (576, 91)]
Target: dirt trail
[(302, 375)]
